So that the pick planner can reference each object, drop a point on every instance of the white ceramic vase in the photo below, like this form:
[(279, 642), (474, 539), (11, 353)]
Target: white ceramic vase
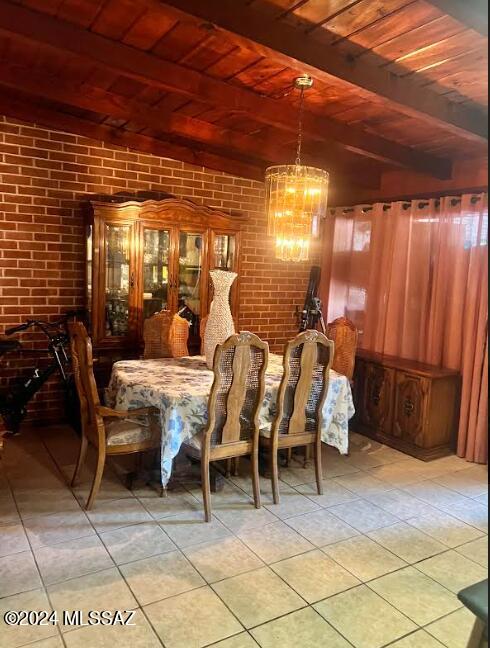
[(220, 323)]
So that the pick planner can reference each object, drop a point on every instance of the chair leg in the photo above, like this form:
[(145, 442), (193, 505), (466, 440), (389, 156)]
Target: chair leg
[(206, 488), (81, 460), (275, 474), (256, 478), (236, 472), (289, 457), (99, 471), (477, 638), (318, 466)]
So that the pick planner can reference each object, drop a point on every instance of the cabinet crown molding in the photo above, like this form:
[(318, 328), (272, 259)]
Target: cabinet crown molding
[(175, 208)]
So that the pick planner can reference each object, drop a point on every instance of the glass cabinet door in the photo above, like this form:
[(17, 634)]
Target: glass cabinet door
[(189, 290), (118, 279), (223, 252), (156, 280), (89, 271), (190, 274)]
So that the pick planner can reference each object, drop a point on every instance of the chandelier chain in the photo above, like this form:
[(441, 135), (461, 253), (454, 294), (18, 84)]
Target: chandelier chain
[(300, 127)]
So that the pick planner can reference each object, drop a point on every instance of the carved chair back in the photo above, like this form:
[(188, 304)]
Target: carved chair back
[(238, 390), (345, 335), (304, 386), (83, 371)]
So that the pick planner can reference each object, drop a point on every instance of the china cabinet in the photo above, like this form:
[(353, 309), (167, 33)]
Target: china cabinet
[(143, 257), (408, 405)]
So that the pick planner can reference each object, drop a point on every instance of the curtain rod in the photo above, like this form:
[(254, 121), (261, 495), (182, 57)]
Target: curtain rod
[(407, 205)]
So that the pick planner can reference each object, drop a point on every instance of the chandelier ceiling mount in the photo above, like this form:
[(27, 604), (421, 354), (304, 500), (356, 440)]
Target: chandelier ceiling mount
[(297, 197)]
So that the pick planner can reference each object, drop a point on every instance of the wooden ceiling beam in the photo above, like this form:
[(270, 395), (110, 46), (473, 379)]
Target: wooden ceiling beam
[(260, 150), (253, 29), (33, 112), (27, 25), (471, 13), (17, 108)]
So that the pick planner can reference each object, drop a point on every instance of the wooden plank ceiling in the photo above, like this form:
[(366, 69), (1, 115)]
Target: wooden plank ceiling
[(398, 83)]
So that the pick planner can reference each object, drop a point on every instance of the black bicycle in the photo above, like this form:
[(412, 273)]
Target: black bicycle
[(16, 397)]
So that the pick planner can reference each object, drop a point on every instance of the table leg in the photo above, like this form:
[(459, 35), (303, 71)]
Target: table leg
[(264, 462), (307, 463), (217, 478)]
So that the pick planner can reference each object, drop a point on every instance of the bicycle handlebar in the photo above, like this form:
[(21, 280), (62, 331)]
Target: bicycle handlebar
[(18, 329), (45, 325)]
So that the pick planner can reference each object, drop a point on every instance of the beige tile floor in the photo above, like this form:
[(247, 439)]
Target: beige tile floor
[(376, 561)]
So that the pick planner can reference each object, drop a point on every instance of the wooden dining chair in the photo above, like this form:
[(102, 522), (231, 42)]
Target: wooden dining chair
[(345, 335), (165, 336), (233, 410), (302, 393), (111, 432)]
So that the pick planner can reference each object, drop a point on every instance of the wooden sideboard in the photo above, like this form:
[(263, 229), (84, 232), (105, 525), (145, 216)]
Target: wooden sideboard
[(407, 405)]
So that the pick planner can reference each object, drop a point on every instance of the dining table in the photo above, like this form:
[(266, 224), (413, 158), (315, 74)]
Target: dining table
[(179, 388)]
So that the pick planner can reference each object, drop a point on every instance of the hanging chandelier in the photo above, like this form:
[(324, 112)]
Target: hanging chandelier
[(296, 198)]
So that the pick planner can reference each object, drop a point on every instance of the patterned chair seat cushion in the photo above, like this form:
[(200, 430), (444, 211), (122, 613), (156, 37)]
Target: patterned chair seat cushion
[(266, 429), (127, 431)]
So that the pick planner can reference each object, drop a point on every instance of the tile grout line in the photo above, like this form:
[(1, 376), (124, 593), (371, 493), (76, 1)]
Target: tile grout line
[(43, 585), (207, 584), (265, 566), (119, 571), (269, 566), (404, 613)]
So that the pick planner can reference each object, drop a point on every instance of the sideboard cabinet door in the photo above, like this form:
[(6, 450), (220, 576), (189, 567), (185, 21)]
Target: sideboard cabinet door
[(376, 411), (411, 400)]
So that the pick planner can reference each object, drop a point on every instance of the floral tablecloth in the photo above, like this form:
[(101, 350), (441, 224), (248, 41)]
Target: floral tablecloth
[(180, 387)]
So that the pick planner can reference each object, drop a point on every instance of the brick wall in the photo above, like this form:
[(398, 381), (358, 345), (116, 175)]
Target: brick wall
[(45, 176)]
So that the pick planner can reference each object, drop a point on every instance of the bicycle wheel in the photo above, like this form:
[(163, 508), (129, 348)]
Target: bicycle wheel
[(11, 412)]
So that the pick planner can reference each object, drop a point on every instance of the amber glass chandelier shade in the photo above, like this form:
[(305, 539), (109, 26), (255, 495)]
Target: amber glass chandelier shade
[(296, 200)]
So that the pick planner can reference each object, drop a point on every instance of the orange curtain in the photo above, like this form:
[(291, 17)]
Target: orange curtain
[(414, 279)]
